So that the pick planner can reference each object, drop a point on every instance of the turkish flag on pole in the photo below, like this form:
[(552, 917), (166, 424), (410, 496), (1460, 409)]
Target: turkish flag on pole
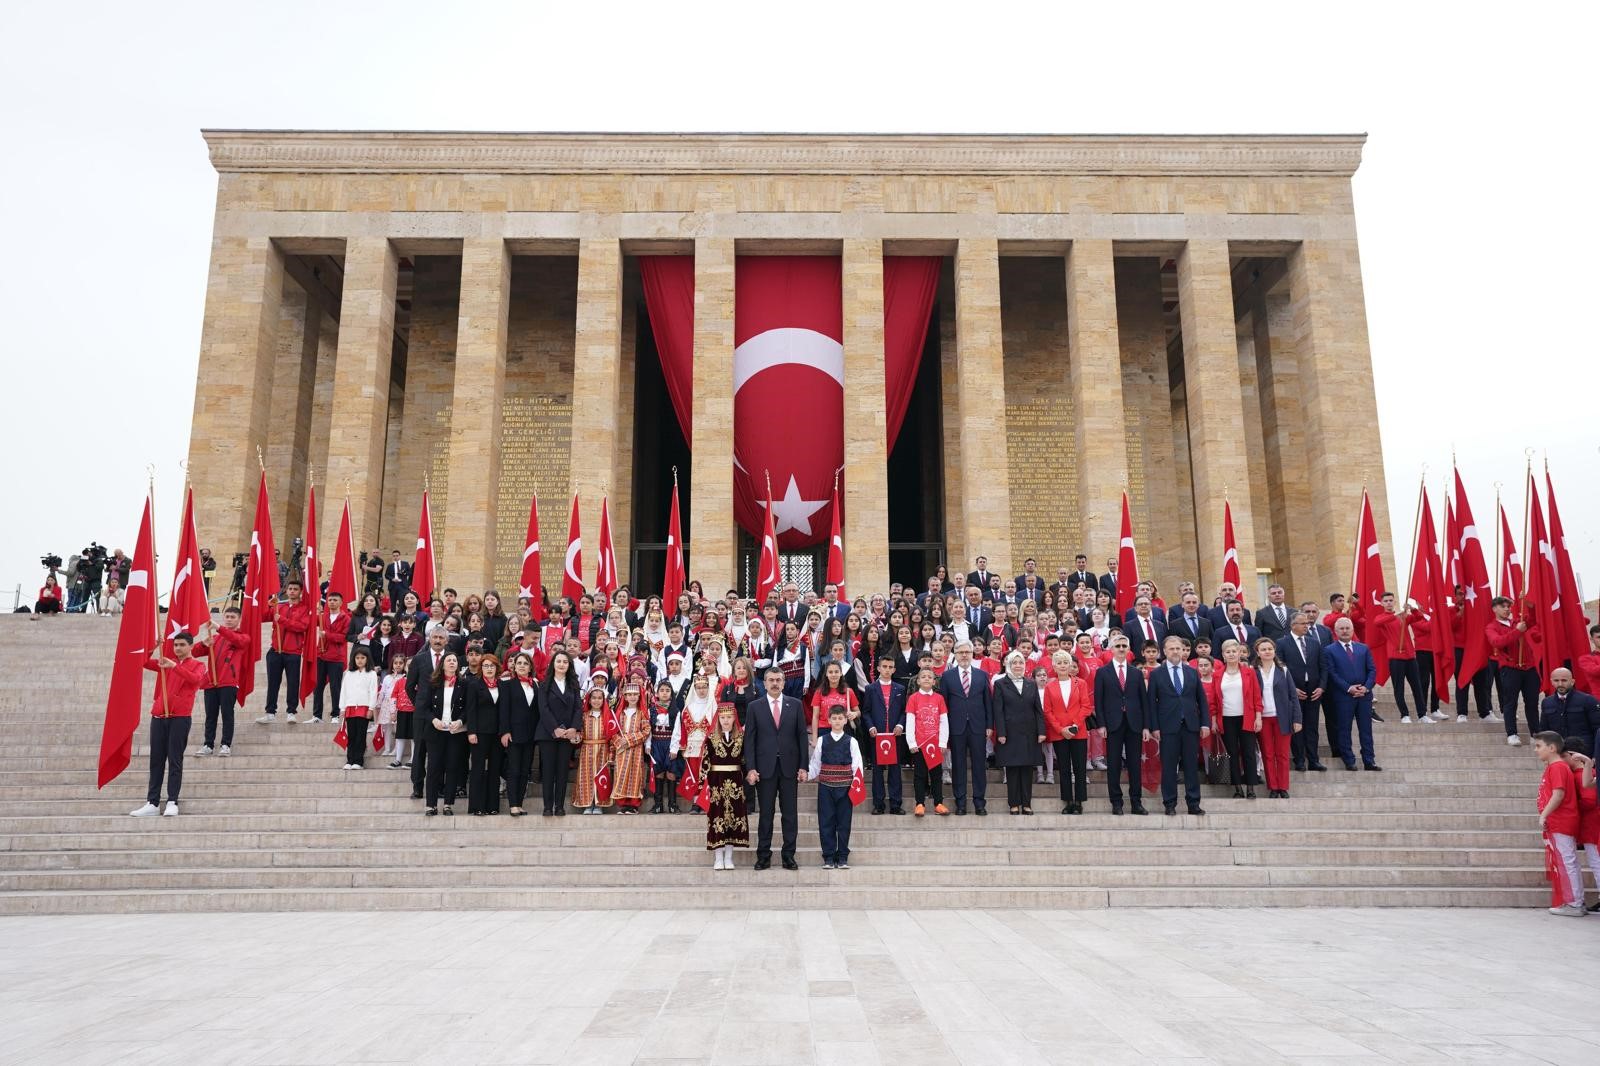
[(187, 609), (836, 548), (602, 786), (1367, 582), (1475, 583), (311, 578), (423, 576), (1510, 560), (572, 577), (1543, 597), (1451, 548), (136, 642), (1230, 550), (605, 568), (1441, 637), (858, 788), (529, 584), (1128, 562), (260, 586), (342, 575), (1574, 623), (672, 583), (767, 575)]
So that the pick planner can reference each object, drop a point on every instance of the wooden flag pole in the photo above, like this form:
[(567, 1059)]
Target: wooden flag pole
[(155, 597)]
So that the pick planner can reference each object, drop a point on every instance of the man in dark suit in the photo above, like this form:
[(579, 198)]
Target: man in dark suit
[(1080, 574), (967, 698), (1143, 627), (935, 591), (397, 576), (980, 577), (1273, 619), (1191, 623), (831, 606), (1121, 704), (1351, 674), (1218, 612), (776, 759), (791, 609), (1568, 711), (1236, 627), (977, 614), (1301, 654), (1178, 709), (419, 682), (1030, 587), (1108, 580), (1029, 566), (886, 716)]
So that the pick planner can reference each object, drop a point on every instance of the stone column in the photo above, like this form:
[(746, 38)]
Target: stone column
[(596, 376), (360, 392), (1283, 434), (233, 393), (293, 389), (981, 404), (866, 449), (1096, 368), (466, 557), (1343, 451), (711, 543), (1215, 409)]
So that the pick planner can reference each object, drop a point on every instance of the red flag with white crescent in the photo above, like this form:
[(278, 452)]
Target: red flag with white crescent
[(1574, 623), (1128, 563), (424, 578), (767, 574), (1510, 559), (672, 584), (1475, 586), (529, 585), (688, 784), (884, 753), (1367, 582), (836, 549), (311, 578), (187, 609), (136, 642), (858, 788), (1230, 551), (342, 575), (1441, 636), (931, 755), (1542, 599), (605, 576), (572, 574), (788, 391), (260, 586), (602, 786)]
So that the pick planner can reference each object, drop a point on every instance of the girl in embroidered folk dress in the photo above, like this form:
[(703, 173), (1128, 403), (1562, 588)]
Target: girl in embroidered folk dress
[(594, 751), (358, 698), (630, 761), (727, 819), (694, 725), (397, 708)]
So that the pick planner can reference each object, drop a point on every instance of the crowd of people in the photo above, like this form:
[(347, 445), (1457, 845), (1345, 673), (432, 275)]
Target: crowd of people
[(724, 705)]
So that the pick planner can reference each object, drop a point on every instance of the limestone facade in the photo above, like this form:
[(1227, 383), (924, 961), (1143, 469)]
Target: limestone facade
[(388, 308)]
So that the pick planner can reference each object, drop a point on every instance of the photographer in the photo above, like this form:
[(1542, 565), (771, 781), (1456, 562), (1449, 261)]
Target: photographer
[(208, 566), (87, 574), (118, 566)]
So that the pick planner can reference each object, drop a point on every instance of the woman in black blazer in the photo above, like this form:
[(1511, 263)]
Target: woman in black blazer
[(483, 738), (446, 734), (1018, 732), (557, 731), (519, 717)]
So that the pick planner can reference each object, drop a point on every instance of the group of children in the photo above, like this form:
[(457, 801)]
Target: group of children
[(1569, 820)]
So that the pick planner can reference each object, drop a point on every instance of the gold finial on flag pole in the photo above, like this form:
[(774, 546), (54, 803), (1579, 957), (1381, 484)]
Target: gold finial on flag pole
[(261, 462)]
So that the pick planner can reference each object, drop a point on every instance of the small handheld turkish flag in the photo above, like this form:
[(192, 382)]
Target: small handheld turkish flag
[(341, 738), (932, 755), (689, 787), (885, 753), (858, 788), (602, 786), (702, 798), (379, 741)]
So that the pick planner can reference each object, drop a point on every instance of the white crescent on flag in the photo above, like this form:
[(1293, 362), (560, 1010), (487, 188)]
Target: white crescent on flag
[(139, 579), (1127, 542), (572, 553), (421, 543), (530, 551), (787, 344)]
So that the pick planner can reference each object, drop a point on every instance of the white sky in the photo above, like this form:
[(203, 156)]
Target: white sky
[(1474, 199)]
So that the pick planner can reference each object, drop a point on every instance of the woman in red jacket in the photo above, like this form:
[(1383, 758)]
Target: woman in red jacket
[(1067, 706), (1235, 696)]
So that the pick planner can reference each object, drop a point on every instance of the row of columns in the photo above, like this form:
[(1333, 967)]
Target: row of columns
[(1325, 383)]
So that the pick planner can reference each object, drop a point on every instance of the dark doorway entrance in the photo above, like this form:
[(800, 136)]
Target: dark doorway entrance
[(916, 480), (658, 446)]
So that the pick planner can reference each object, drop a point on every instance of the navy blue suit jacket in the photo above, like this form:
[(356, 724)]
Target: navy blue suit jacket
[(1175, 711), (1345, 669), (972, 713), (885, 718), (1307, 676), (1133, 627), (1117, 706)]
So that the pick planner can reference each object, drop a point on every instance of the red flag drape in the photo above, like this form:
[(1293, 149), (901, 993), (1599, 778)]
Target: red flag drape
[(910, 283), (1510, 559), (1543, 594), (424, 576), (260, 586), (136, 642), (836, 549), (529, 583), (572, 574), (1367, 582), (1475, 583), (1574, 623), (669, 300), (342, 574), (672, 584), (187, 609), (605, 567), (1127, 564), (311, 578), (1441, 638), (767, 574), (1230, 548), (1452, 544)]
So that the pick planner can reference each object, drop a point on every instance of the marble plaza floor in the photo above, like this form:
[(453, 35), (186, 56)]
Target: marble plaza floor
[(926, 987)]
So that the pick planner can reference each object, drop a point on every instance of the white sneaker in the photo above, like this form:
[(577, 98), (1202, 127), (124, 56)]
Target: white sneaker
[(354, 766), (1425, 720), (827, 866), (1099, 764), (842, 866), (1461, 718), (291, 719), (1405, 719), (1514, 740), (172, 809), (1049, 779), (266, 719), (225, 752), (204, 750), (146, 811), (1494, 717), (1568, 910), (1439, 716)]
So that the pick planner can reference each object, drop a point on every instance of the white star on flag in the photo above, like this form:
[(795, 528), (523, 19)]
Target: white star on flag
[(795, 513)]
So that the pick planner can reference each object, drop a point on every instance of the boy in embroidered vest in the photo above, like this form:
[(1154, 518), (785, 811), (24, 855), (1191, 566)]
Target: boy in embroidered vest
[(835, 761)]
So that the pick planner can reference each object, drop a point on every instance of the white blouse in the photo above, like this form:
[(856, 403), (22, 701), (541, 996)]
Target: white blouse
[(449, 702), (1232, 695), (1269, 699), (359, 689)]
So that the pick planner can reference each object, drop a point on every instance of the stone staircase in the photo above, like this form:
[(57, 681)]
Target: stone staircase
[(281, 826)]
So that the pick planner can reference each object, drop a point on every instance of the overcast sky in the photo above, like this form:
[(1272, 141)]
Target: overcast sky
[(1474, 199)]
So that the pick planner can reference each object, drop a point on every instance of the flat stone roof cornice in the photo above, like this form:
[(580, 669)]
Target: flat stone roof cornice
[(421, 152)]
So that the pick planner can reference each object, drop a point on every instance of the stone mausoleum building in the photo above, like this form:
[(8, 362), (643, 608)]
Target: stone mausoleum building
[(1178, 316)]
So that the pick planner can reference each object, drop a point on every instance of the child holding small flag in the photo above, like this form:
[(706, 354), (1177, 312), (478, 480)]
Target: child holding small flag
[(928, 727), (1559, 821), (592, 790), (836, 767)]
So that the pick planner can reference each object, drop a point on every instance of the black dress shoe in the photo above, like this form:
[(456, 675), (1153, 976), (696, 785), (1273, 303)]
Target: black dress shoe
[(790, 864), (1372, 766), (897, 810), (877, 810), (1250, 793), (1138, 808), (548, 813), (1376, 717), (561, 812), (1117, 811), (1300, 766), (1349, 766), (416, 795), (763, 864), (1319, 769), (1197, 810), (980, 811), (961, 808), (1066, 808), (1169, 811), (1238, 793)]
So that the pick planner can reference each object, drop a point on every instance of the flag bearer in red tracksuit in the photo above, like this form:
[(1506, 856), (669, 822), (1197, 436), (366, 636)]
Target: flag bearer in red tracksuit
[(1514, 645), (835, 762), (291, 619), (180, 678), (226, 648), (332, 642)]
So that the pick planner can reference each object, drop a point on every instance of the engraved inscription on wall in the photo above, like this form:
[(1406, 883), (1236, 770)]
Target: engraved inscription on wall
[(535, 457)]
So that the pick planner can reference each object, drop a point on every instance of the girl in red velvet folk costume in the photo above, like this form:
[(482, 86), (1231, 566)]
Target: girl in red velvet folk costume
[(727, 816)]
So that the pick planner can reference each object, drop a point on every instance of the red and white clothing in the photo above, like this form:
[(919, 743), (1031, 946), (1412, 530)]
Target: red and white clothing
[(927, 719), (358, 696), (335, 636), (176, 686)]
